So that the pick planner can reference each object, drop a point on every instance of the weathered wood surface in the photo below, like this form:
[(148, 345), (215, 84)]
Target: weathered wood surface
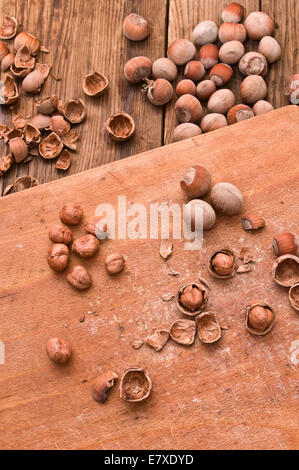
[(240, 393), (84, 36)]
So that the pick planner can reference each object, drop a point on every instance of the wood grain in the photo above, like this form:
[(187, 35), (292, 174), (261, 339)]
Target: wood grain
[(240, 393)]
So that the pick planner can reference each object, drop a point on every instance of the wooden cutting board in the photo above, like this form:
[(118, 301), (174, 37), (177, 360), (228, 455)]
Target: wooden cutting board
[(241, 392)]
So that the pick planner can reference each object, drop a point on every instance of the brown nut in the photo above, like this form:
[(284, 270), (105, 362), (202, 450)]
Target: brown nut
[(208, 55), (181, 51), (226, 198), (4, 51), (285, 243), (221, 74), (194, 70), (221, 101), (9, 92), (58, 350), (260, 318), (253, 221), (165, 68), (58, 257), (137, 69), (25, 182), (9, 27), (270, 48), (79, 277), (239, 113), (114, 263), (135, 27), (212, 122), (120, 127), (6, 163), (51, 146), (292, 89), (18, 148), (71, 213), (185, 87), (188, 109), (159, 92), (183, 331), (222, 264), (231, 52), (258, 24), (47, 105), (186, 130), (157, 339), (196, 182), (24, 59), (102, 384), (95, 84), (7, 61), (232, 32), (285, 270), (135, 385), (192, 212), (253, 89), (262, 107), (232, 13), (253, 63), (60, 234), (294, 296), (205, 89), (27, 39), (86, 246), (208, 328), (205, 32), (192, 298), (70, 138), (74, 111)]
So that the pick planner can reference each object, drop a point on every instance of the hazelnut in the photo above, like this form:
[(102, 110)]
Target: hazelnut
[(253, 221), (232, 13), (115, 263), (27, 39), (285, 270), (208, 55), (40, 121), (226, 198), (185, 87), (58, 257), (102, 384), (285, 243), (97, 229), (194, 70), (208, 214), (262, 107), (205, 89), (192, 298), (294, 296), (164, 68), (270, 48), (239, 113), (213, 121), (260, 318), (157, 339), (204, 33), (222, 264), (135, 27), (221, 101), (58, 350), (159, 92), (196, 182), (183, 331), (60, 234), (221, 74), (188, 109), (258, 24), (253, 63), (137, 69), (95, 84), (186, 131), (79, 277), (135, 385), (232, 32), (86, 246), (231, 52), (9, 27), (71, 213), (253, 88), (208, 328), (120, 127), (181, 51)]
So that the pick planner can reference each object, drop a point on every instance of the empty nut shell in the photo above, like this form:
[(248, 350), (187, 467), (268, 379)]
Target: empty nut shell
[(188, 109), (137, 69), (7, 61), (115, 263), (10, 92), (95, 84), (18, 148), (31, 135), (19, 73), (260, 318), (9, 27), (25, 182), (208, 328), (40, 121), (208, 55), (157, 339), (239, 113), (285, 243), (253, 63), (33, 82), (183, 331), (51, 146), (135, 385), (74, 111), (60, 234), (232, 32), (64, 160), (24, 59), (181, 51), (102, 384), (120, 127), (71, 213), (58, 257), (135, 27), (253, 221), (86, 246), (58, 350), (192, 298), (222, 264), (221, 74), (196, 182), (47, 105), (294, 296), (59, 125), (285, 270), (185, 87), (79, 277), (70, 138)]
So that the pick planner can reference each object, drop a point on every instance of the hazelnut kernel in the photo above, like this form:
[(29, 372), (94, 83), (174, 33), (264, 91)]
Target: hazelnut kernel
[(60, 234), (86, 246), (191, 297), (260, 317), (58, 350), (79, 277), (58, 257), (114, 263), (223, 264), (71, 213)]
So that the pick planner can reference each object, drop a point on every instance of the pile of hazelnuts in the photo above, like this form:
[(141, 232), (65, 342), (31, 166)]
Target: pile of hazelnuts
[(207, 69)]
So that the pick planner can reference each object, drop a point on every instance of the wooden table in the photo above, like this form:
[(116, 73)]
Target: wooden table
[(85, 36)]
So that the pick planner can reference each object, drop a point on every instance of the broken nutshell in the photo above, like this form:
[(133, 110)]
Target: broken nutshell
[(60, 234), (157, 339), (260, 318), (102, 384), (191, 298), (9, 27), (183, 331), (285, 270), (79, 277), (86, 246), (222, 264), (74, 111), (135, 385), (58, 257), (25, 182), (64, 160), (58, 350), (294, 296), (285, 243), (208, 328), (120, 127), (51, 146), (95, 84), (47, 105), (10, 92), (71, 213), (253, 222)]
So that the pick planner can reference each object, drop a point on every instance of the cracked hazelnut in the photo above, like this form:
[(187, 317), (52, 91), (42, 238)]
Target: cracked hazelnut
[(74, 111), (71, 213), (222, 264), (58, 350), (137, 69), (191, 299), (79, 277), (47, 105), (9, 92), (86, 246), (25, 182), (208, 328), (9, 27), (196, 182), (260, 318), (253, 63), (58, 257), (253, 222), (115, 263), (135, 385), (4, 51), (183, 331), (60, 234), (294, 296), (102, 384), (33, 81)]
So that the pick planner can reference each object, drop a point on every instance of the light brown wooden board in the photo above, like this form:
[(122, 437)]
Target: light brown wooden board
[(239, 393)]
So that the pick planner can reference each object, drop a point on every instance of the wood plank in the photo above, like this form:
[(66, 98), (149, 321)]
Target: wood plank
[(87, 36), (240, 393)]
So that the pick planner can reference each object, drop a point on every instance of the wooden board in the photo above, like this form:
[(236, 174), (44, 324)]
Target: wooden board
[(240, 393)]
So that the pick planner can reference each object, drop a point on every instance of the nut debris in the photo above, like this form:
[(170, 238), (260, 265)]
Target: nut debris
[(285, 270), (51, 146), (102, 385), (165, 248), (135, 385), (5, 163), (157, 339), (7, 189), (64, 160), (191, 298), (244, 268), (246, 255), (137, 343), (25, 182), (95, 84), (208, 328), (120, 127), (9, 27), (167, 297), (183, 331), (294, 296)]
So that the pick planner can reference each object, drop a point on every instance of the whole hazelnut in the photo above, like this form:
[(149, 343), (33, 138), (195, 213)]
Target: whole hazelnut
[(196, 182), (204, 33), (135, 27), (185, 87), (208, 214), (165, 68), (137, 69), (58, 350), (205, 89), (58, 257), (258, 24), (208, 55), (185, 131), (213, 121), (181, 51), (270, 48), (253, 88), (226, 198), (262, 107), (260, 318), (231, 52), (114, 263), (194, 70), (285, 243), (253, 63), (232, 13), (86, 246), (223, 263), (221, 101), (188, 109), (79, 277), (71, 213), (60, 234)]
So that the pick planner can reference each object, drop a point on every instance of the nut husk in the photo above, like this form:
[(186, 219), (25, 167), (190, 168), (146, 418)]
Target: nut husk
[(74, 111), (95, 84), (208, 328), (183, 331), (19, 73), (102, 384), (195, 298), (135, 385), (157, 339), (47, 105), (285, 270), (224, 267), (51, 146), (9, 27), (294, 296), (264, 321), (120, 127)]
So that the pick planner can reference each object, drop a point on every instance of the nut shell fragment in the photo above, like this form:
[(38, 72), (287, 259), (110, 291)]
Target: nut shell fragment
[(7, 61), (192, 298), (165, 248), (64, 160), (102, 384), (222, 264), (260, 318), (31, 134), (183, 331), (208, 328), (157, 339), (285, 270), (47, 105), (5, 163), (25, 182), (70, 138), (9, 27), (95, 84), (120, 127), (18, 148), (51, 146), (24, 59), (10, 91), (74, 111), (294, 296), (27, 39), (135, 385), (59, 125), (44, 69), (253, 222), (33, 82)]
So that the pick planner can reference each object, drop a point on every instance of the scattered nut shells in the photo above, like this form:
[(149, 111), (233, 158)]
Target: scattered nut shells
[(64, 160), (5, 163), (24, 59), (79, 277), (47, 105), (120, 127), (51, 146), (166, 248), (285, 270), (18, 148), (25, 182), (95, 84), (260, 318), (7, 61), (183, 331), (32, 82), (9, 27), (294, 296), (102, 384), (27, 39), (58, 350), (157, 339), (208, 328), (222, 264), (135, 385), (58, 257), (115, 263), (71, 213), (74, 111), (10, 91), (86, 246), (253, 221), (192, 298)]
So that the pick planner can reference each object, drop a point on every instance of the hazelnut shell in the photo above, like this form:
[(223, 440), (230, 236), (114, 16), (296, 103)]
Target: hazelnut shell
[(294, 296), (183, 309), (285, 270), (183, 331), (157, 339), (208, 328), (120, 127), (253, 330), (95, 84), (9, 27), (253, 221), (135, 385), (102, 384)]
